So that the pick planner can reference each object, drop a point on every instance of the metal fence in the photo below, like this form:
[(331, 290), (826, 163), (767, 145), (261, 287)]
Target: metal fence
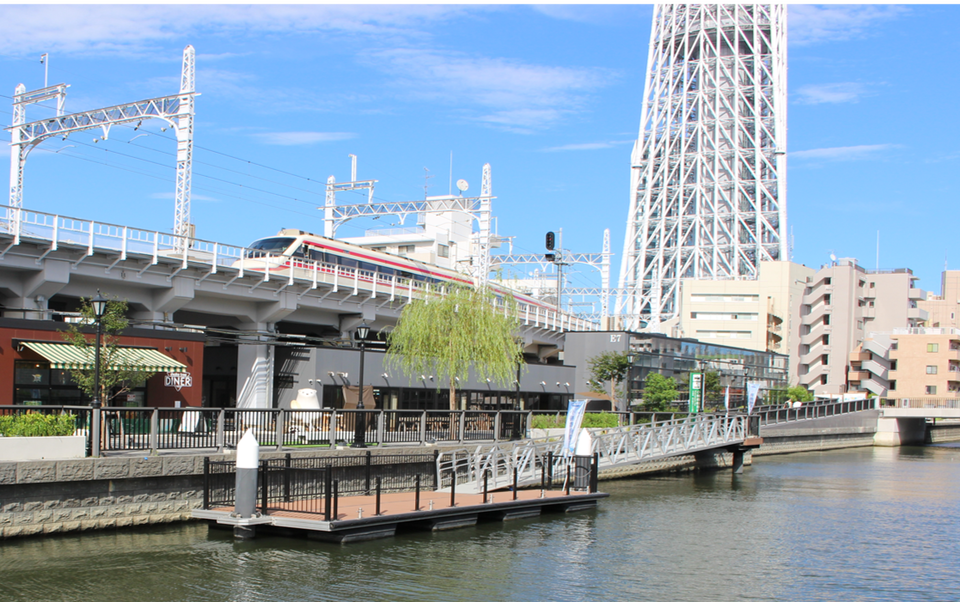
[(155, 429), (312, 484)]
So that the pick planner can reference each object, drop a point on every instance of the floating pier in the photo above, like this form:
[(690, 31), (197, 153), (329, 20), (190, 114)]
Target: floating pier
[(358, 518)]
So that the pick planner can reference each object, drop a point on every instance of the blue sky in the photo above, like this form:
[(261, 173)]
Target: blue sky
[(549, 95)]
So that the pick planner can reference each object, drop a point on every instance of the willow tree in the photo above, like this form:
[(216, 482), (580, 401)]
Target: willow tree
[(446, 335)]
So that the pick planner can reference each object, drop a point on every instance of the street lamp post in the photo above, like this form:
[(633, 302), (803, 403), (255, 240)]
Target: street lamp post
[(99, 305), (360, 432), (627, 387)]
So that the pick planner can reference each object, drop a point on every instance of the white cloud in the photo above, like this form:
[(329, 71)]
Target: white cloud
[(587, 146), (597, 14), (298, 138), (809, 23), (843, 153), (506, 92), (137, 29), (831, 93)]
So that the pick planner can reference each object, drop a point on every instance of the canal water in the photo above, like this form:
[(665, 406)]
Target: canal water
[(862, 524)]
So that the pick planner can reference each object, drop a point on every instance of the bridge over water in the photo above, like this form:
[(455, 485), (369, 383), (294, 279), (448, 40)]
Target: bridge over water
[(529, 462)]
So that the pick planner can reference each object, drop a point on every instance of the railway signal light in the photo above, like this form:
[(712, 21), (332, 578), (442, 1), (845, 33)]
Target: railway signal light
[(551, 241)]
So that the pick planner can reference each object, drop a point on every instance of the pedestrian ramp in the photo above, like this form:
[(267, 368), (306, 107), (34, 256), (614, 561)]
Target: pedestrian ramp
[(530, 462)]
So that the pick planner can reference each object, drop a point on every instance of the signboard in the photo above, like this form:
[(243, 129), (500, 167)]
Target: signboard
[(696, 391), (178, 380)]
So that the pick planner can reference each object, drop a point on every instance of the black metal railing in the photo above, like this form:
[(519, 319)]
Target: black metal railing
[(308, 484)]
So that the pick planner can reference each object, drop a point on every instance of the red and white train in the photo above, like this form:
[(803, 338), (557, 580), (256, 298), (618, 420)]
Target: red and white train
[(303, 250)]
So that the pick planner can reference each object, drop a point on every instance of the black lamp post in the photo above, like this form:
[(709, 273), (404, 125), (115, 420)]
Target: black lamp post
[(99, 305), (627, 388), (360, 432)]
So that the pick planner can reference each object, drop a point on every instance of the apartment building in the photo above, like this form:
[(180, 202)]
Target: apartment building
[(841, 305), (908, 363), (761, 314)]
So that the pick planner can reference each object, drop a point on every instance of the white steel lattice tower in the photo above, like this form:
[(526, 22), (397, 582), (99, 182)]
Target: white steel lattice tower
[(708, 180)]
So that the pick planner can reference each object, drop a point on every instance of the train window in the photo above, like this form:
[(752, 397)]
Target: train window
[(346, 261), (299, 252), (369, 267), (386, 271), (406, 275), (264, 246), (318, 255)]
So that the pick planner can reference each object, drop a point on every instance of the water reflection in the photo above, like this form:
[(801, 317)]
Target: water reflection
[(863, 524)]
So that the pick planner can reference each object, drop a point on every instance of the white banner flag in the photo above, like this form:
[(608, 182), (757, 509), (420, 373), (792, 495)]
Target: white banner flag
[(726, 399), (752, 390), (575, 410)]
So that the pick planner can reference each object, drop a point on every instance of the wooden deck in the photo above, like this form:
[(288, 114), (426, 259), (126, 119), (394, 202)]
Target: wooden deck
[(358, 520)]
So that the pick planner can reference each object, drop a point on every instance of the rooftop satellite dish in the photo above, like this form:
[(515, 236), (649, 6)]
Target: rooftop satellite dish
[(833, 257), (462, 185)]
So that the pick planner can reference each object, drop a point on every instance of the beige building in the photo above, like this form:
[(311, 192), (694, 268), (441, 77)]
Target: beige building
[(944, 310), (759, 314), (842, 304), (909, 363)]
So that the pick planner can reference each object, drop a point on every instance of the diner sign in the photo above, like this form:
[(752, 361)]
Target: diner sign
[(178, 380)]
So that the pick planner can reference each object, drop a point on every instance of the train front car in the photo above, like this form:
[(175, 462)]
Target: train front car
[(269, 254)]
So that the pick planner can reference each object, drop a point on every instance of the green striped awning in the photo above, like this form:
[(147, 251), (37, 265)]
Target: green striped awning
[(63, 356)]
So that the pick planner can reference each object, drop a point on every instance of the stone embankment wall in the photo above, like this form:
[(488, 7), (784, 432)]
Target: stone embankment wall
[(58, 496), (97, 493), (943, 432), (837, 432)]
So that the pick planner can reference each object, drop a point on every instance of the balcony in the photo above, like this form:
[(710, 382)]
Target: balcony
[(915, 293), (859, 356), (915, 313), (857, 375)]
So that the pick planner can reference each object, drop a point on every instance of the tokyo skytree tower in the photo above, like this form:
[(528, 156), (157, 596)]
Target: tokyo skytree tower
[(708, 180)]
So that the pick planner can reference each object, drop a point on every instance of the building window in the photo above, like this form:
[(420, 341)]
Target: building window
[(443, 251), (933, 347), (861, 283), (931, 390), (826, 299), (824, 359), (828, 281), (873, 285), (826, 319), (860, 324), (931, 369), (406, 249), (823, 379), (893, 365), (826, 339), (893, 385)]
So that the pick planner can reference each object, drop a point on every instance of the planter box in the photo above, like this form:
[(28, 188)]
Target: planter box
[(14, 449)]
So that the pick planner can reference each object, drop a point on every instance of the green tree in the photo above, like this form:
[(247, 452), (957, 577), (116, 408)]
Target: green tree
[(608, 367), (116, 378), (799, 393), (446, 335), (658, 392)]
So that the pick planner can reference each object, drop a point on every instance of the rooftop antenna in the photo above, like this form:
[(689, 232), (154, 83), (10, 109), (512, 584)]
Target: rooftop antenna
[(45, 61), (426, 181), (878, 250)]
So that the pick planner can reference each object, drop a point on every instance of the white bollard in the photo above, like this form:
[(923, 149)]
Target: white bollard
[(248, 464)]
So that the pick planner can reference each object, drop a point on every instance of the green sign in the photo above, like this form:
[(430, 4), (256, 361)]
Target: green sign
[(696, 390)]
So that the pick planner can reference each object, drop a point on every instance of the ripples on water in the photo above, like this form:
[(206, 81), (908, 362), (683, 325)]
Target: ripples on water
[(864, 524)]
